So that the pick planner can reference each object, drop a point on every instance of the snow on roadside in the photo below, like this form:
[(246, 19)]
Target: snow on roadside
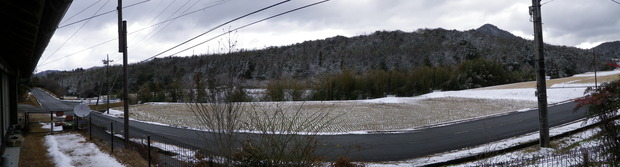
[(70, 149), (501, 144), (599, 73), (119, 114)]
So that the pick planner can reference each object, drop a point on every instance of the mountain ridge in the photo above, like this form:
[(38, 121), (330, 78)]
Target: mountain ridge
[(493, 30), (310, 60)]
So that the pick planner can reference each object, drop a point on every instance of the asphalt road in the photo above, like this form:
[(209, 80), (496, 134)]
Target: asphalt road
[(50, 103), (391, 147), (381, 146)]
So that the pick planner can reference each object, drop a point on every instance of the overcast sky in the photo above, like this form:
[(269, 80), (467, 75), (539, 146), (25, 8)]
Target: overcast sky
[(156, 26)]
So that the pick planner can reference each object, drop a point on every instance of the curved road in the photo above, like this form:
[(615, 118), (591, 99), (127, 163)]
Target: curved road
[(386, 146), (50, 103)]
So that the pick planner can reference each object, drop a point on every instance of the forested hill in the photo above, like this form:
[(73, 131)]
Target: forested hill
[(381, 50)]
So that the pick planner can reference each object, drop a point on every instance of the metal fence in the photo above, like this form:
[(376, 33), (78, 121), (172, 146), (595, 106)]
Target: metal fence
[(166, 152), (158, 150), (592, 156)]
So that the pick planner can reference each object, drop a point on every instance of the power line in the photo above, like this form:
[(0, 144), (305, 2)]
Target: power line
[(183, 15), (150, 34), (104, 13), (43, 64), (78, 30), (65, 20), (216, 27), (162, 22), (616, 2), (546, 2), (247, 25)]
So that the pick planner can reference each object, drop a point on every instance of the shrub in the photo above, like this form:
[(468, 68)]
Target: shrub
[(603, 105)]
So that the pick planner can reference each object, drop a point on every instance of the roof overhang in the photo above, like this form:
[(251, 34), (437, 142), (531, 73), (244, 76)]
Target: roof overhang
[(29, 26)]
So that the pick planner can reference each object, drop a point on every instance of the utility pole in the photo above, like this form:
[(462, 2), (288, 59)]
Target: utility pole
[(541, 85), (106, 62), (595, 69), (122, 47)]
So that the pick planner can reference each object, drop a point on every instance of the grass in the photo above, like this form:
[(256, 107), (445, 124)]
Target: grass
[(34, 121), (33, 151), (532, 84), (103, 107), (600, 79), (30, 99)]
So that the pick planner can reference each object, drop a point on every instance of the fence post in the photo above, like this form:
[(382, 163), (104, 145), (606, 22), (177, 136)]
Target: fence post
[(148, 141), (76, 123), (586, 157), (51, 122), (90, 127), (27, 124), (211, 161), (112, 136)]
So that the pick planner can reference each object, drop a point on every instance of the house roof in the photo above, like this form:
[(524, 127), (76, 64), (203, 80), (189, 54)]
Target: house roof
[(27, 29)]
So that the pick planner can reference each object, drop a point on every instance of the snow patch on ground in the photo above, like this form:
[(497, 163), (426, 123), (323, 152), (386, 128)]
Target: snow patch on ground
[(599, 73), (502, 144), (572, 85), (553, 95), (48, 126), (389, 99), (69, 150)]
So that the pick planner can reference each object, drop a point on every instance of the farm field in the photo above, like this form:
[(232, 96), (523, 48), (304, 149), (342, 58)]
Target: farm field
[(393, 114)]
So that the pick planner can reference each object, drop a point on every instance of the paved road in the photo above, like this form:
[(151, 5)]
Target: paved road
[(52, 104), (390, 147), (396, 146), (386, 147), (23, 108)]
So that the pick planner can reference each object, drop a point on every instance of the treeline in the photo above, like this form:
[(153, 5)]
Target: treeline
[(380, 83), (346, 85), (349, 85)]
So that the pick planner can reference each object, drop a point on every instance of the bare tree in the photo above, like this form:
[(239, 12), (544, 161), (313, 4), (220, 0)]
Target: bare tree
[(222, 118), (286, 135)]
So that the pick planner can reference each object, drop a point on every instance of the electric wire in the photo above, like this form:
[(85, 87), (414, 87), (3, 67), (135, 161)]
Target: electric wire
[(104, 13), (150, 34), (616, 2), (183, 15), (546, 2), (216, 27), (74, 53), (247, 25), (80, 12), (133, 32), (72, 35)]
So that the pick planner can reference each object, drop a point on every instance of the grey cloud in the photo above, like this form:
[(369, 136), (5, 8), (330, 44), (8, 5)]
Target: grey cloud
[(566, 22)]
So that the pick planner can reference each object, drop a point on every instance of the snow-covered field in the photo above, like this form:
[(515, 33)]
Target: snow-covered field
[(394, 114), (354, 116)]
